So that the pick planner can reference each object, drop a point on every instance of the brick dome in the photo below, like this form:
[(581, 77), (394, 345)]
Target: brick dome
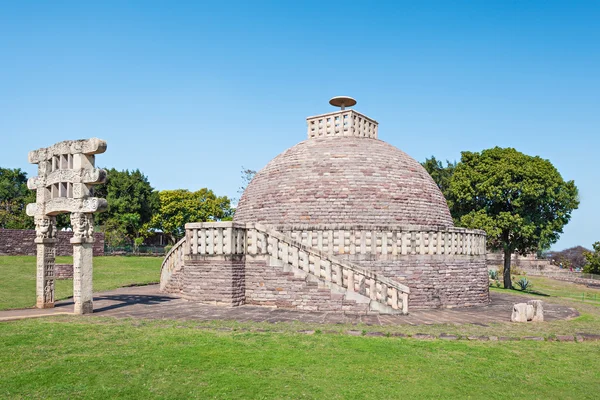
[(350, 180)]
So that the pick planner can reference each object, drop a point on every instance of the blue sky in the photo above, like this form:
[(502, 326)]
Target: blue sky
[(189, 92)]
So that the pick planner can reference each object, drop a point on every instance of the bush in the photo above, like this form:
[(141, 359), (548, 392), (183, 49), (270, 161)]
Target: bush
[(524, 284), (168, 248), (493, 274)]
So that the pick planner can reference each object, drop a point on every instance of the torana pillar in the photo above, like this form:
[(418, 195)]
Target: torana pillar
[(82, 240), (45, 240)]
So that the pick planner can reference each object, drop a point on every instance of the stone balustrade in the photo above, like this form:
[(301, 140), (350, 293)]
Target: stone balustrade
[(173, 261), (388, 241), (341, 123), (229, 238)]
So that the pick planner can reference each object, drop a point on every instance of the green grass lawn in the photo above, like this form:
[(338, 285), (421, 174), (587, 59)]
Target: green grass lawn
[(17, 286), (69, 357), (98, 357)]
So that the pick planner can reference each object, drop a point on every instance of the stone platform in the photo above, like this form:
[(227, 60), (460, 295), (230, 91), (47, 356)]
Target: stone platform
[(148, 302)]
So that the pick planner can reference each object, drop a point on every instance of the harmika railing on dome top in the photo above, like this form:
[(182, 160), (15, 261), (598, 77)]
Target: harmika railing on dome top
[(225, 238)]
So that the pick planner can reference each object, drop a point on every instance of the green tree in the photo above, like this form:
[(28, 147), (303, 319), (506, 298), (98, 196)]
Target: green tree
[(593, 260), (14, 197), (522, 202), (179, 207), (440, 174), (132, 203)]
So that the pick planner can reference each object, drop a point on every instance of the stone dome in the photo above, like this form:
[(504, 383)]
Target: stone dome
[(350, 180)]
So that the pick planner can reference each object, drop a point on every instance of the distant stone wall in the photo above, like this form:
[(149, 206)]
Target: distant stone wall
[(529, 264), (63, 271), (19, 242)]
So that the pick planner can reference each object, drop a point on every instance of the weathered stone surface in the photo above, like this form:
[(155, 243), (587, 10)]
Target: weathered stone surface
[(423, 336), (378, 334), (589, 337), (445, 336), (519, 313), (565, 338), (537, 308), (534, 338)]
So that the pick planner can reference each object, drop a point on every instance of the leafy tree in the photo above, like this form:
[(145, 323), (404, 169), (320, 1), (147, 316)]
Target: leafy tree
[(440, 174), (571, 257), (593, 260), (14, 197), (178, 207), (131, 204), (522, 202)]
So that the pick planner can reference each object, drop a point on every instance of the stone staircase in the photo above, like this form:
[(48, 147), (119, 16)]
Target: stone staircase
[(231, 263)]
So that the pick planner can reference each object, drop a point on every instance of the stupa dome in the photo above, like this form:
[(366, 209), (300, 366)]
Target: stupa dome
[(343, 175)]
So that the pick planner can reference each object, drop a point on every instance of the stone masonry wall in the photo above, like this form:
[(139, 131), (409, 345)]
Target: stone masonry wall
[(19, 242), (272, 286), (437, 281), (63, 271), (214, 279)]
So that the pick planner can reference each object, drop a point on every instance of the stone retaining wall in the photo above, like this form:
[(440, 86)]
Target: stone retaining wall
[(19, 242), (215, 280), (437, 281)]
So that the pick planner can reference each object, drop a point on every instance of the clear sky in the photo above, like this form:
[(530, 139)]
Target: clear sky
[(189, 92)]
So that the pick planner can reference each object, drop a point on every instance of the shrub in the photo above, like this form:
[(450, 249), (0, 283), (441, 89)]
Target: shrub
[(168, 248), (493, 274), (524, 284)]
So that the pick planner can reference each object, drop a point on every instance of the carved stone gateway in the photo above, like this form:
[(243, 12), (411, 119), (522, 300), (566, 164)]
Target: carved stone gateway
[(66, 175)]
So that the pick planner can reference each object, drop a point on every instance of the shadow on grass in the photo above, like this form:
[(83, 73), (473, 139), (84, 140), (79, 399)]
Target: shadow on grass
[(533, 292)]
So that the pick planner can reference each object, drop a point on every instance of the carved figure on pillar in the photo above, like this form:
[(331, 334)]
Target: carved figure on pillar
[(45, 227), (83, 227), (49, 292)]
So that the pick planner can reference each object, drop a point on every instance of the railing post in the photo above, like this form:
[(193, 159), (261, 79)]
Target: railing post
[(194, 241), (394, 298), (404, 303), (350, 281)]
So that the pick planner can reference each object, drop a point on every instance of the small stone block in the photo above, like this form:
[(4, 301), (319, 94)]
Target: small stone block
[(493, 338), (375, 334), (423, 336), (565, 338), (307, 332), (589, 337), (354, 333), (448, 337), (507, 338), (538, 338), (481, 338)]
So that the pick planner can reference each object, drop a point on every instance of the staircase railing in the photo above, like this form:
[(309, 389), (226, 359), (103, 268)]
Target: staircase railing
[(173, 261), (222, 238)]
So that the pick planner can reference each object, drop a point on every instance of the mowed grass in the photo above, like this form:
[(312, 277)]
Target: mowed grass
[(102, 358), (17, 285)]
